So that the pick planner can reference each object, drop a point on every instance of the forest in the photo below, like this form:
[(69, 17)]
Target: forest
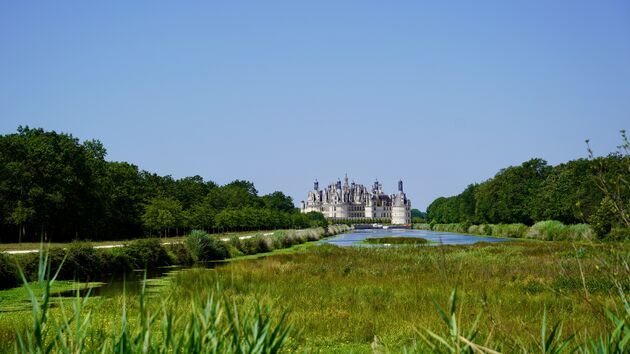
[(57, 188), (593, 191)]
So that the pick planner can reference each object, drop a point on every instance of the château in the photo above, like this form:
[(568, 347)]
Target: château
[(355, 201)]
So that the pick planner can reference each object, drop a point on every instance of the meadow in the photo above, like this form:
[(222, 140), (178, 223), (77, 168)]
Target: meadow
[(359, 299)]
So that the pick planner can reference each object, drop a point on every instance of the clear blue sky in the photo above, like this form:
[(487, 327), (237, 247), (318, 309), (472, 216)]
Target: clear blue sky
[(438, 93)]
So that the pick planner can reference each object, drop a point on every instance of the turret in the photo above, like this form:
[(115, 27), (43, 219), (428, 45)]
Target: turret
[(375, 187)]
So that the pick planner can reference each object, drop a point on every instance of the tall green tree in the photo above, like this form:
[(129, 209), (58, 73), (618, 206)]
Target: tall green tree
[(162, 214)]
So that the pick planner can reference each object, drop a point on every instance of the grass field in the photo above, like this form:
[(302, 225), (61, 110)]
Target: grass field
[(340, 299)]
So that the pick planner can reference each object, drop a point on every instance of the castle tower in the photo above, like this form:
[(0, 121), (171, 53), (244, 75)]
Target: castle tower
[(401, 207)]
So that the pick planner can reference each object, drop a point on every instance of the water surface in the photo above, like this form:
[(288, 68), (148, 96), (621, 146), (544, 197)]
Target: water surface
[(446, 238)]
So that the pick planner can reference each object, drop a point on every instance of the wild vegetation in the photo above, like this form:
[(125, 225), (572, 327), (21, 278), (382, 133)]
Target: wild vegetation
[(201, 325), (81, 261), (543, 230), (594, 191), (514, 297), (56, 188)]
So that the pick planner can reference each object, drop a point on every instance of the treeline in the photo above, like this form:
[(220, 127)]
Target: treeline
[(54, 187), (581, 191)]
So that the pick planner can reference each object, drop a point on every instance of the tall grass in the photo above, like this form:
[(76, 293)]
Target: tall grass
[(208, 326), (341, 298), (204, 248), (555, 230), (543, 230), (356, 300), (265, 243)]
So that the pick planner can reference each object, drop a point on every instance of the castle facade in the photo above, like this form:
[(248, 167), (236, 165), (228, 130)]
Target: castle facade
[(355, 201)]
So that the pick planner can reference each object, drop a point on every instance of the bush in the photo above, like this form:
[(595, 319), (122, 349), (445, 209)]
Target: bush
[(233, 251), (580, 232), (8, 272), (422, 226), (147, 253), (453, 227), (618, 233), (264, 244), (603, 219), (204, 248), (248, 246), (180, 254), (509, 230), (557, 231), (547, 230), (82, 262), (115, 261)]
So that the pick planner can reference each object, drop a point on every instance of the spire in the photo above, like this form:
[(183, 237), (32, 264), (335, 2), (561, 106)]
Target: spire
[(345, 180), (400, 185), (316, 185)]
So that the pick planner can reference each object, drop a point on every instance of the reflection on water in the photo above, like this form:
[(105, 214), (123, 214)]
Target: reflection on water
[(444, 238)]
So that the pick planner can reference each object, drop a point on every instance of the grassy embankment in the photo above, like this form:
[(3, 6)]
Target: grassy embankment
[(167, 240), (340, 299), (544, 230), (81, 261)]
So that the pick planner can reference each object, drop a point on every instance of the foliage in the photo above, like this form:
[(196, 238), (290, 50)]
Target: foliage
[(147, 253), (556, 230), (418, 216), (591, 190), (8, 272), (161, 214), (203, 247), (612, 178), (56, 188)]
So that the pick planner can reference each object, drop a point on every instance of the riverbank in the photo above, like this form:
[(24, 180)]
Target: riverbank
[(548, 230), (83, 262)]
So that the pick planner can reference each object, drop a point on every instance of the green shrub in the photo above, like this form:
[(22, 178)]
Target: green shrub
[(82, 262), (453, 227), (116, 261), (264, 244), (233, 251), (204, 248), (509, 230), (619, 233), (249, 246), (147, 253), (603, 219), (547, 230), (8, 272), (557, 231), (580, 232), (422, 226), (180, 254)]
